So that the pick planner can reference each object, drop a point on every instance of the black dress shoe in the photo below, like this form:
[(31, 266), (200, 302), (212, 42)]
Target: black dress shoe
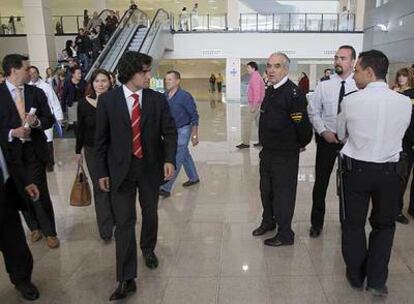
[(164, 194), (355, 282), (257, 145), (190, 183), (151, 260), (243, 146), (275, 242), (28, 291), (314, 232), (262, 230), (378, 292), (123, 289), (401, 218)]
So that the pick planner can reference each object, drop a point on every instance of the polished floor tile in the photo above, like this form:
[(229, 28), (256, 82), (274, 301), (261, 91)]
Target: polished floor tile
[(205, 245)]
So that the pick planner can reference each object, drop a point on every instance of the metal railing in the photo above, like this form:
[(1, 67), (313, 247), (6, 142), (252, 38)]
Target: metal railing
[(12, 25), (297, 22), (285, 22), (196, 22)]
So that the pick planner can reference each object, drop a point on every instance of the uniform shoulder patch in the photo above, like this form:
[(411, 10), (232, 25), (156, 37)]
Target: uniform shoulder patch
[(296, 117)]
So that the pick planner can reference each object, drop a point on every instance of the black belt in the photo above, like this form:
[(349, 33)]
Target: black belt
[(350, 163)]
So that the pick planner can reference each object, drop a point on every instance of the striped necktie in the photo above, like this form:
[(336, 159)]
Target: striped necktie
[(136, 128), (20, 105)]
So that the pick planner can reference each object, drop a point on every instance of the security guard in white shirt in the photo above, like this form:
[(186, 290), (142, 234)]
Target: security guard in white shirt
[(55, 108), (372, 123), (323, 112)]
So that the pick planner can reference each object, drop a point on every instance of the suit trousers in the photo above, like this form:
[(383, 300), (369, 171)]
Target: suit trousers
[(102, 199), (278, 182), (381, 184), (326, 154), (408, 150), (40, 215), (123, 202), (16, 254)]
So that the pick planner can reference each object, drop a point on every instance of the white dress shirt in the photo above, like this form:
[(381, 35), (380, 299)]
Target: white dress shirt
[(130, 100), (374, 120), (53, 102), (3, 167), (12, 89), (323, 106), (280, 83)]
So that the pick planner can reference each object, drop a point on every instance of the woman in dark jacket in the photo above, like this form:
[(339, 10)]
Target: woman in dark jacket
[(85, 138), (404, 84), (304, 83)]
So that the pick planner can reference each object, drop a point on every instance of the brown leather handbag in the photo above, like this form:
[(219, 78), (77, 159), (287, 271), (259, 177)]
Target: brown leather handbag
[(80, 195)]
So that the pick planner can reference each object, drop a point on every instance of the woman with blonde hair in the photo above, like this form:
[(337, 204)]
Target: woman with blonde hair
[(404, 84)]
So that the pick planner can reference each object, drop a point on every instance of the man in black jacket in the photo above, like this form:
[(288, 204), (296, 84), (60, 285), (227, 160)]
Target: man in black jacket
[(14, 188), (136, 143), (284, 129), (24, 131), (84, 44)]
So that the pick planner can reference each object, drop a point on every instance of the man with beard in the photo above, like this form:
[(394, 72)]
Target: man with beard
[(323, 113)]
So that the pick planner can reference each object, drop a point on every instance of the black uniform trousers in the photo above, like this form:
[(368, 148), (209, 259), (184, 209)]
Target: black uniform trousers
[(123, 202), (278, 182), (408, 150), (381, 184), (326, 154), (40, 215), (16, 254), (102, 199)]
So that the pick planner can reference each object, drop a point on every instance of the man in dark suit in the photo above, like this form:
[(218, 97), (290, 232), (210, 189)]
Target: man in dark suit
[(24, 131), (14, 188), (136, 143)]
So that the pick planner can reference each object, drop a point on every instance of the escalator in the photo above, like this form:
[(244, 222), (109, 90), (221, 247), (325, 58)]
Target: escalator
[(135, 33)]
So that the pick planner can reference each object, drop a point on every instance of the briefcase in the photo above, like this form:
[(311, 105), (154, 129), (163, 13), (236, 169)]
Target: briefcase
[(80, 195)]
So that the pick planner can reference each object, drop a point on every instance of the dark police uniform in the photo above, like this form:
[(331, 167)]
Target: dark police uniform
[(373, 122), (284, 128)]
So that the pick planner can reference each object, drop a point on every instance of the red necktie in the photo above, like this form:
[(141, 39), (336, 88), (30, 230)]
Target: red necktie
[(136, 128)]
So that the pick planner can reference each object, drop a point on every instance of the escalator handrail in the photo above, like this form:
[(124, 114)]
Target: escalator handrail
[(121, 25), (152, 26)]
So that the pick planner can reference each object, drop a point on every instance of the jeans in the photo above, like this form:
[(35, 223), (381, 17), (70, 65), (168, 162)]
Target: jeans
[(85, 61), (183, 158)]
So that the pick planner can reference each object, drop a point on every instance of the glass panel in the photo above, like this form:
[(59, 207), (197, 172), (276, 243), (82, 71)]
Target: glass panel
[(314, 22), (297, 22), (281, 22), (265, 23), (198, 22), (12, 26), (217, 23), (248, 22), (330, 23), (70, 23)]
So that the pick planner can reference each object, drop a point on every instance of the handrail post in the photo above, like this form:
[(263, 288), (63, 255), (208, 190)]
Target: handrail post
[(273, 22), (306, 22), (208, 22), (321, 27), (257, 22), (290, 22), (337, 22)]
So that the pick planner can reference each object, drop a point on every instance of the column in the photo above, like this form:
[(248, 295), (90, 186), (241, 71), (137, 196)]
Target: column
[(233, 15), (100, 5), (313, 76), (360, 13), (233, 79), (40, 33)]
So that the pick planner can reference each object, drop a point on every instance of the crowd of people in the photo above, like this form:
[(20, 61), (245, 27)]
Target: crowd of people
[(142, 144)]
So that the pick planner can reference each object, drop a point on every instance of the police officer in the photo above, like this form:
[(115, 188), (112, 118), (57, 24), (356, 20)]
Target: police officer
[(284, 129), (323, 112), (374, 121)]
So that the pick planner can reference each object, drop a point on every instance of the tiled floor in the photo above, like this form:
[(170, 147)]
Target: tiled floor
[(206, 251)]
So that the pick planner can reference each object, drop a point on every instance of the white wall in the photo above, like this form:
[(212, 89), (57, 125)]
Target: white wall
[(260, 45)]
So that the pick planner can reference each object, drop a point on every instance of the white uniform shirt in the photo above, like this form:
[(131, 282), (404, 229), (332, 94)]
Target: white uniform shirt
[(53, 102), (323, 106), (374, 120)]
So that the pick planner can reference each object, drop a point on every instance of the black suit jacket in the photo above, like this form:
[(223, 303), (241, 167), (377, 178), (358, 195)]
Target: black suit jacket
[(10, 119), (113, 140), (17, 197)]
